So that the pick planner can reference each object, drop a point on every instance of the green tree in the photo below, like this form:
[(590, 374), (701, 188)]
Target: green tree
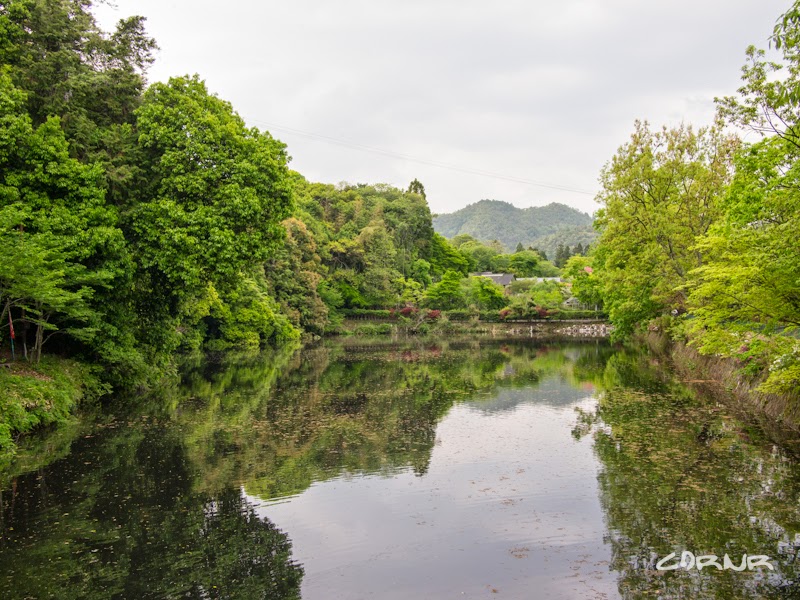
[(745, 293), (71, 69), (210, 198), (485, 293), (524, 263), (481, 255), (562, 255), (444, 257), (61, 243), (660, 192), (415, 187), (461, 239), (547, 294), (586, 286), (294, 273), (446, 294), (421, 272)]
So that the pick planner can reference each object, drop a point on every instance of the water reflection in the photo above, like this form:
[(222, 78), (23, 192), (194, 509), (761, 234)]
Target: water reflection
[(507, 501), (398, 470), (122, 518), (679, 474), (368, 408)]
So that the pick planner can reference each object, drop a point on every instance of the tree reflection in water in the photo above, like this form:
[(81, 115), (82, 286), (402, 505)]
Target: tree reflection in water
[(153, 502), (678, 473)]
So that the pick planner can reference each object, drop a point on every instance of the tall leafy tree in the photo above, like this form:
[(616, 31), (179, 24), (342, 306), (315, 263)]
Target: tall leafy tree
[(92, 80), (659, 193), (61, 241), (444, 257), (447, 293), (485, 293), (524, 263), (415, 187), (295, 273), (585, 284), (209, 202), (746, 296)]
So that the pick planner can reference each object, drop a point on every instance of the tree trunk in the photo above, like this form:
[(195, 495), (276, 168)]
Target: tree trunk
[(39, 341)]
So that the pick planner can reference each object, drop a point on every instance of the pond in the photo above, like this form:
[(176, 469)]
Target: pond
[(405, 469)]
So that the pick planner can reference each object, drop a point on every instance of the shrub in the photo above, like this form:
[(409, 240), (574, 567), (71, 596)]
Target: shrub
[(458, 315), (368, 313), (373, 329)]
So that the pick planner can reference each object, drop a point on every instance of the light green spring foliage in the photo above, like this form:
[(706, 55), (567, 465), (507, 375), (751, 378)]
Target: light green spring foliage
[(207, 212), (375, 245), (586, 285), (532, 299), (746, 297), (491, 257), (485, 294), (53, 221), (699, 223), (446, 294), (659, 193), (525, 263)]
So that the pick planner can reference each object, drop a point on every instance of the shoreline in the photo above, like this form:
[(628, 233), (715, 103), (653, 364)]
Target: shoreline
[(777, 415), (533, 329)]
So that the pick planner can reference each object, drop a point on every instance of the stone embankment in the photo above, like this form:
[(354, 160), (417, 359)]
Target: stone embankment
[(550, 329), (584, 330)]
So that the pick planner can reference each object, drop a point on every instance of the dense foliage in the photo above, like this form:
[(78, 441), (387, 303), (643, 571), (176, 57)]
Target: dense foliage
[(139, 222), (704, 229)]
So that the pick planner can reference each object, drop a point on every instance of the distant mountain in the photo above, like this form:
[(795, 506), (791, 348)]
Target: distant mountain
[(543, 227)]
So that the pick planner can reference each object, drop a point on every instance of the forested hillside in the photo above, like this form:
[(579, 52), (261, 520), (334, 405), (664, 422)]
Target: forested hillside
[(543, 227)]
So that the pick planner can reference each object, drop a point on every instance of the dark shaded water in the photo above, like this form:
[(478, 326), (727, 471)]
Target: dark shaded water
[(388, 470)]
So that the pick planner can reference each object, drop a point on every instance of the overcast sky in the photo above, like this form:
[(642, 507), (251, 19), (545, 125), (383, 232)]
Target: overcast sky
[(541, 91)]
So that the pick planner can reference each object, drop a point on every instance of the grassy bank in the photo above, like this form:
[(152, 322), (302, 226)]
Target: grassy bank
[(34, 396)]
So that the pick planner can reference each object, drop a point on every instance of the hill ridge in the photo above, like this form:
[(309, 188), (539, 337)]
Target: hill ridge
[(543, 227)]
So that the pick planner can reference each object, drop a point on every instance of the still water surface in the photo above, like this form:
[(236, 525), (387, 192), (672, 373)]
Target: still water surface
[(452, 469)]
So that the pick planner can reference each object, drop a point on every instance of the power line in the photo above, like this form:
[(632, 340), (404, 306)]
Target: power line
[(434, 163)]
